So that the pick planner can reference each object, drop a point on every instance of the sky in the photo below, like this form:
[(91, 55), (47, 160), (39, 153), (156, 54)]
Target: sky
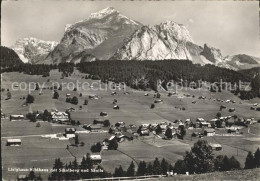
[(232, 26)]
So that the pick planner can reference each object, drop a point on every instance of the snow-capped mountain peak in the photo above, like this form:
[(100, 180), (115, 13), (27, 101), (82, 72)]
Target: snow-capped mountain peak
[(102, 13), (30, 47)]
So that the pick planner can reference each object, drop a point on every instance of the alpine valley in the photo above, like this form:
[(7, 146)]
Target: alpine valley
[(109, 35)]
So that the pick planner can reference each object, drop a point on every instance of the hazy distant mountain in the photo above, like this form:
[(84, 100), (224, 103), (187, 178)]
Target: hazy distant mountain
[(9, 57), (33, 50), (100, 35)]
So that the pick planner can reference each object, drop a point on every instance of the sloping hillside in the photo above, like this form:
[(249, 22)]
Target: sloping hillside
[(9, 57), (251, 174)]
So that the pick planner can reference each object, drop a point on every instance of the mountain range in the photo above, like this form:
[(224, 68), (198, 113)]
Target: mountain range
[(109, 35)]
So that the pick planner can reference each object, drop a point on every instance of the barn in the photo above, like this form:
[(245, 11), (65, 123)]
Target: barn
[(13, 142)]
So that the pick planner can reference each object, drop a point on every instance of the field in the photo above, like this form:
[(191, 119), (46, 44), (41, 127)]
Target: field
[(134, 109)]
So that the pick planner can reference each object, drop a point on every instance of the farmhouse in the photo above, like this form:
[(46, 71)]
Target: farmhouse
[(58, 116), (70, 132), (18, 117), (103, 114), (116, 107), (13, 142), (71, 109), (144, 132), (2, 115), (158, 101), (126, 135), (232, 110), (204, 124), (93, 97), (209, 132), (22, 178), (96, 159), (199, 119), (215, 146)]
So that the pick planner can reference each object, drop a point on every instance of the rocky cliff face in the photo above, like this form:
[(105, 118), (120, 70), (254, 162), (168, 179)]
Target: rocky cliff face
[(99, 35), (32, 49), (165, 41), (108, 34)]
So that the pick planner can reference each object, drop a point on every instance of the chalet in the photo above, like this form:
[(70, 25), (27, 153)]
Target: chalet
[(103, 114), (93, 97), (116, 107), (70, 132), (92, 128), (158, 101), (255, 104), (113, 93), (96, 159), (233, 129), (215, 146), (223, 107), (22, 178), (71, 109), (126, 93), (13, 142), (232, 110), (146, 94), (209, 132), (58, 116), (144, 132), (193, 102), (146, 126), (2, 115), (18, 117), (233, 101), (199, 120), (126, 135), (204, 124), (257, 109), (120, 123), (68, 95)]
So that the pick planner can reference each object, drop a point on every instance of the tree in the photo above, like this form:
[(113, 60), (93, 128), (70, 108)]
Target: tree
[(158, 130), (257, 158), (250, 161), (141, 171), (200, 158), (106, 123), (74, 100), (31, 175), (180, 167), (96, 147), (8, 95), (29, 99), (152, 106), (86, 102), (234, 164), (37, 87), (55, 95), (76, 139), (157, 169), (113, 145), (149, 170), (168, 133), (119, 172), (218, 115), (182, 132), (218, 123), (80, 95), (164, 166), (131, 170)]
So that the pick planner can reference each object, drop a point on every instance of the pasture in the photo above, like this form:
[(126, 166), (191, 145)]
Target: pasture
[(134, 109)]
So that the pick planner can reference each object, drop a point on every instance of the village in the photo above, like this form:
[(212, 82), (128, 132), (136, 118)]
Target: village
[(100, 124)]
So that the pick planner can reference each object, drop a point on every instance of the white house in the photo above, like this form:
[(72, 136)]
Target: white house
[(16, 117), (70, 132), (13, 142), (59, 116), (209, 132)]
